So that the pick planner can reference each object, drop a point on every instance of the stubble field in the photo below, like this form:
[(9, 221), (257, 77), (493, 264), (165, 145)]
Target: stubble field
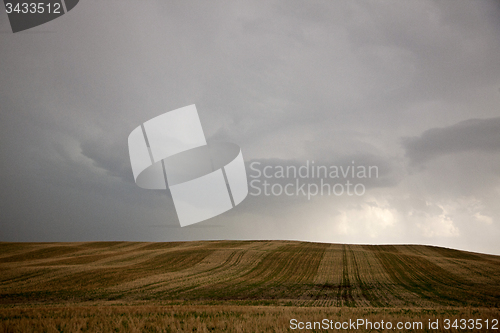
[(238, 286)]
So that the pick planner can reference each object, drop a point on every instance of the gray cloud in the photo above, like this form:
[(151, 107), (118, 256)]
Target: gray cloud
[(109, 156), (481, 135), (288, 81)]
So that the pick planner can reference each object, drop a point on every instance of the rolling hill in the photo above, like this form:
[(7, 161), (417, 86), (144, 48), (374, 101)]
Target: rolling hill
[(248, 273)]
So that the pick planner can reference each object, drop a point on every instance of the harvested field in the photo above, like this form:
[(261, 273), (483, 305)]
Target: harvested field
[(65, 283), (224, 318)]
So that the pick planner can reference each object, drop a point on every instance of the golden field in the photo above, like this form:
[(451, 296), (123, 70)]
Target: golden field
[(238, 286)]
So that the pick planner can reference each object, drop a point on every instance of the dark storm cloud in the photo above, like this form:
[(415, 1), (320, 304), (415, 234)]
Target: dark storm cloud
[(288, 81), (479, 135), (109, 156)]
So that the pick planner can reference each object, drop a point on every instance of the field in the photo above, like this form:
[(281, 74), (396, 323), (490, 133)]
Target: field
[(238, 286)]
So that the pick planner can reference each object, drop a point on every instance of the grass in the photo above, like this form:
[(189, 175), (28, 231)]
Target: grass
[(236, 286), (220, 318)]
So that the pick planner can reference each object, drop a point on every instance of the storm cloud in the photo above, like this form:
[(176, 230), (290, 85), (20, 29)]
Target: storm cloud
[(412, 87), (480, 135)]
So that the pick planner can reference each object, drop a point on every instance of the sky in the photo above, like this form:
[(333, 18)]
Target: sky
[(411, 87)]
